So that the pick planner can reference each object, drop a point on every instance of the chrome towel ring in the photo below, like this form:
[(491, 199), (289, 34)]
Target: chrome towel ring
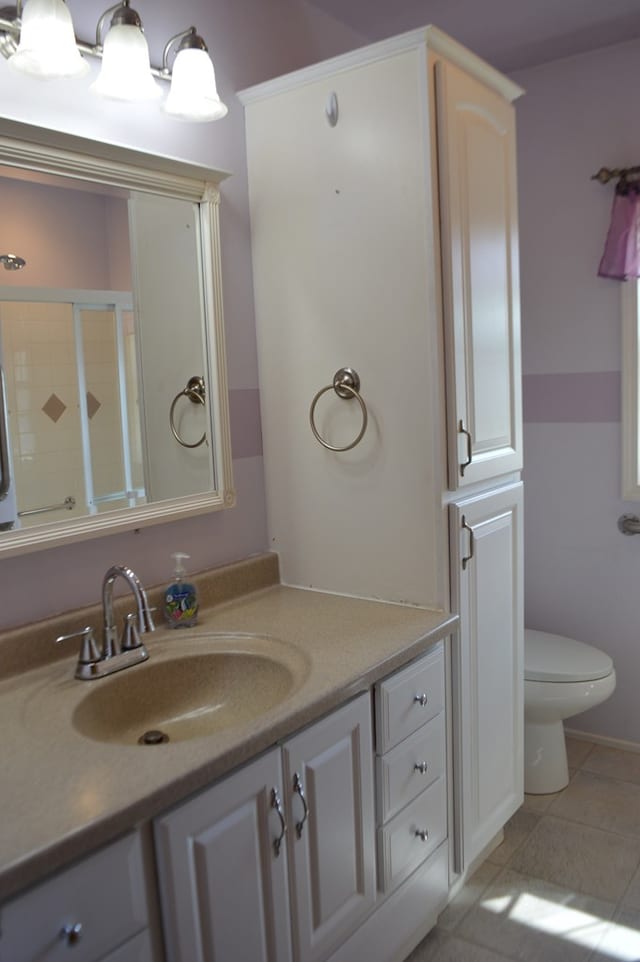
[(196, 392), (346, 384)]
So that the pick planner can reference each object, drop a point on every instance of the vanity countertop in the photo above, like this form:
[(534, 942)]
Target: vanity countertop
[(63, 794)]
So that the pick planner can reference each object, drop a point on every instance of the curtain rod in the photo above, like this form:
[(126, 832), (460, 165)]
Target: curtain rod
[(605, 174)]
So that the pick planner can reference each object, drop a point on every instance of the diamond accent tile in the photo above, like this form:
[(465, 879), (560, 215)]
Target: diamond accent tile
[(54, 408), (93, 404)]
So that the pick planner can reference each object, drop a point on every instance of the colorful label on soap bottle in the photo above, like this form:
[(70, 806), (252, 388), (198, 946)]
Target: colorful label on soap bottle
[(181, 606)]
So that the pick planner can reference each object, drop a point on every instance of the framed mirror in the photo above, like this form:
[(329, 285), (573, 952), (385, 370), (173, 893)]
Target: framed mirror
[(113, 389)]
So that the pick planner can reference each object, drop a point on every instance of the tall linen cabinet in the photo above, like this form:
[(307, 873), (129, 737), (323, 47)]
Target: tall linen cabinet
[(384, 232)]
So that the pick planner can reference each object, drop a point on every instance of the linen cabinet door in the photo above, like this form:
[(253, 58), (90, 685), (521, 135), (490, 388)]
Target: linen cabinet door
[(488, 666), (478, 208), (328, 770), (222, 872)]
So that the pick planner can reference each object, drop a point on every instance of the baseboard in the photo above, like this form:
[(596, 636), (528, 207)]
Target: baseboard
[(618, 743)]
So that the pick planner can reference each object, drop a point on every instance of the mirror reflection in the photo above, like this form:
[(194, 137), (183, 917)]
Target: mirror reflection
[(108, 399)]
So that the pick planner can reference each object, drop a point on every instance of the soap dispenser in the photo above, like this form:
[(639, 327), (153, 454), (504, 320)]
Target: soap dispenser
[(180, 599)]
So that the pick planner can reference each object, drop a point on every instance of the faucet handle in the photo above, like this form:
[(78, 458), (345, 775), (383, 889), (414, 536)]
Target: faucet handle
[(89, 651), (130, 634)]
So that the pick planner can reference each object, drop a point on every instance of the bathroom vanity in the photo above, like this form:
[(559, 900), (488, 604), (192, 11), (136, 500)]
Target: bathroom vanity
[(318, 820)]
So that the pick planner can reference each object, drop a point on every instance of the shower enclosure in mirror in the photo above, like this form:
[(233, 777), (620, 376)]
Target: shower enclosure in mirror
[(113, 397)]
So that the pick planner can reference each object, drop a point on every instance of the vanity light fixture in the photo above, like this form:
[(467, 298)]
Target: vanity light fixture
[(37, 38)]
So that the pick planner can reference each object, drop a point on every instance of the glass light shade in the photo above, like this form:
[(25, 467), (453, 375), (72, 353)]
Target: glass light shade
[(125, 73), (47, 47), (193, 94)]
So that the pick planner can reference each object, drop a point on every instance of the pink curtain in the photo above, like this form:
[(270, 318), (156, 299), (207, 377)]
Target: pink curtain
[(621, 257)]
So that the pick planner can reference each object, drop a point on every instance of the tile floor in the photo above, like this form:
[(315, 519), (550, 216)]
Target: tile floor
[(564, 886)]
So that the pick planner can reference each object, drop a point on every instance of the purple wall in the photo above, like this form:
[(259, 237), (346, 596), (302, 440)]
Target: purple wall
[(249, 42), (582, 575)]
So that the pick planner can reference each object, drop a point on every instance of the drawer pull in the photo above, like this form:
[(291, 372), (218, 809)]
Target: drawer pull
[(277, 804), (421, 699), (72, 933), (421, 767), (299, 790), (422, 834)]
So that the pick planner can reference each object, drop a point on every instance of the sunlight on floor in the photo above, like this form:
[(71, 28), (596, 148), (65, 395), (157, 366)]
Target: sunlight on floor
[(563, 921)]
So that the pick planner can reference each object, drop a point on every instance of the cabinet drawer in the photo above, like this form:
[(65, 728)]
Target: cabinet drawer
[(408, 699), (105, 894), (137, 949), (400, 847), (410, 767)]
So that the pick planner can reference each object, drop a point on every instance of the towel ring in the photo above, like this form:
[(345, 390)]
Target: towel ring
[(196, 392), (346, 384)]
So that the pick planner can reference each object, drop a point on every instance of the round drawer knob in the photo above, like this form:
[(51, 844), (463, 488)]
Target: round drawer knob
[(421, 699), (72, 933), (421, 767), (422, 834)]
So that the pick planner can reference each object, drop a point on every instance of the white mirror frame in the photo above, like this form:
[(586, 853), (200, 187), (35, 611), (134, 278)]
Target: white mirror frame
[(51, 152)]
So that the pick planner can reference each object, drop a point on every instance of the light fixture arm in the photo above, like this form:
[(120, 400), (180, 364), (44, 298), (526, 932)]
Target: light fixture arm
[(185, 40)]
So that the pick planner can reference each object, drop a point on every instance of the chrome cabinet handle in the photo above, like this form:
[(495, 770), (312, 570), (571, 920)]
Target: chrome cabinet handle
[(421, 699), (472, 543), (277, 804), (72, 933), (421, 767), (422, 834), (299, 790), (465, 464)]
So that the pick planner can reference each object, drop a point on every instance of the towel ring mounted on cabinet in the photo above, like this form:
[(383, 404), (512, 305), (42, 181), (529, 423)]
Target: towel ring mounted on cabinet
[(346, 384), (197, 393)]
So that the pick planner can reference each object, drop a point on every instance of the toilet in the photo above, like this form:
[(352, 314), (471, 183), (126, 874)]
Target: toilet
[(562, 677)]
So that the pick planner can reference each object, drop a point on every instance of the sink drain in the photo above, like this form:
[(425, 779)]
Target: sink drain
[(153, 737)]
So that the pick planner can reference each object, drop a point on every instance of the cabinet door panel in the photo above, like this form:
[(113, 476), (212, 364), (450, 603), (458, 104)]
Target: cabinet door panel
[(488, 664), (476, 142), (223, 888), (333, 859)]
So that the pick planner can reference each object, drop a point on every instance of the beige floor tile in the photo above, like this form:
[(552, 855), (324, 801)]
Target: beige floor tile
[(577, 751), (516, 831), (468, 896), (614, 764), (605, 803), (579, 857), (533, 921), (621, 941), (631, 898), (439, 948)]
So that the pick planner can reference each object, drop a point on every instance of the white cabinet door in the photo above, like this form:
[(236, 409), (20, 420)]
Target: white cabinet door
[(222, 883), (332, 837), (478, 206), (488, 681)]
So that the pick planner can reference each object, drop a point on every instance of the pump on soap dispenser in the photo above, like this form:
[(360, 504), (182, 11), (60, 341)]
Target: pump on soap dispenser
[(180, 599)]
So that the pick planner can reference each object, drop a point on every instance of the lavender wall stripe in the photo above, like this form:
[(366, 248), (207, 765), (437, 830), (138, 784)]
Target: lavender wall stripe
[(244, 416), (592, 397)]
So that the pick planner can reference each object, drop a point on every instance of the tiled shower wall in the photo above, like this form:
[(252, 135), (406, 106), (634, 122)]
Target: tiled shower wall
[(43, 401), (43, 406)]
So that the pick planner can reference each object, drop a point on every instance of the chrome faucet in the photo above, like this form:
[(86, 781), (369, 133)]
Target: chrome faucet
[(116, 654)]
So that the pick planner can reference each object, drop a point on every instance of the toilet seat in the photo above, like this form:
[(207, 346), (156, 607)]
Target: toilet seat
[(554, 658)]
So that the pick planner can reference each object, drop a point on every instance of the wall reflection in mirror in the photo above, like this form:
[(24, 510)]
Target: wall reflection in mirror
[(102, 324)]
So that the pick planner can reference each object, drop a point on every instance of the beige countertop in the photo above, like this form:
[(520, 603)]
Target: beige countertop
[(63, 793)]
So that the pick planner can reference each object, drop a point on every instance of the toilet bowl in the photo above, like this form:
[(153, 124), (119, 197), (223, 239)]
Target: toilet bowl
[(562, 677)]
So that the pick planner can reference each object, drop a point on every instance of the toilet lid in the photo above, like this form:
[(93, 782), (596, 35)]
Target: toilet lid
[(556, 658)]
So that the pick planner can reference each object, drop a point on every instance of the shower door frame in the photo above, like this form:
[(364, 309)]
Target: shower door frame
[(79, 300)]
